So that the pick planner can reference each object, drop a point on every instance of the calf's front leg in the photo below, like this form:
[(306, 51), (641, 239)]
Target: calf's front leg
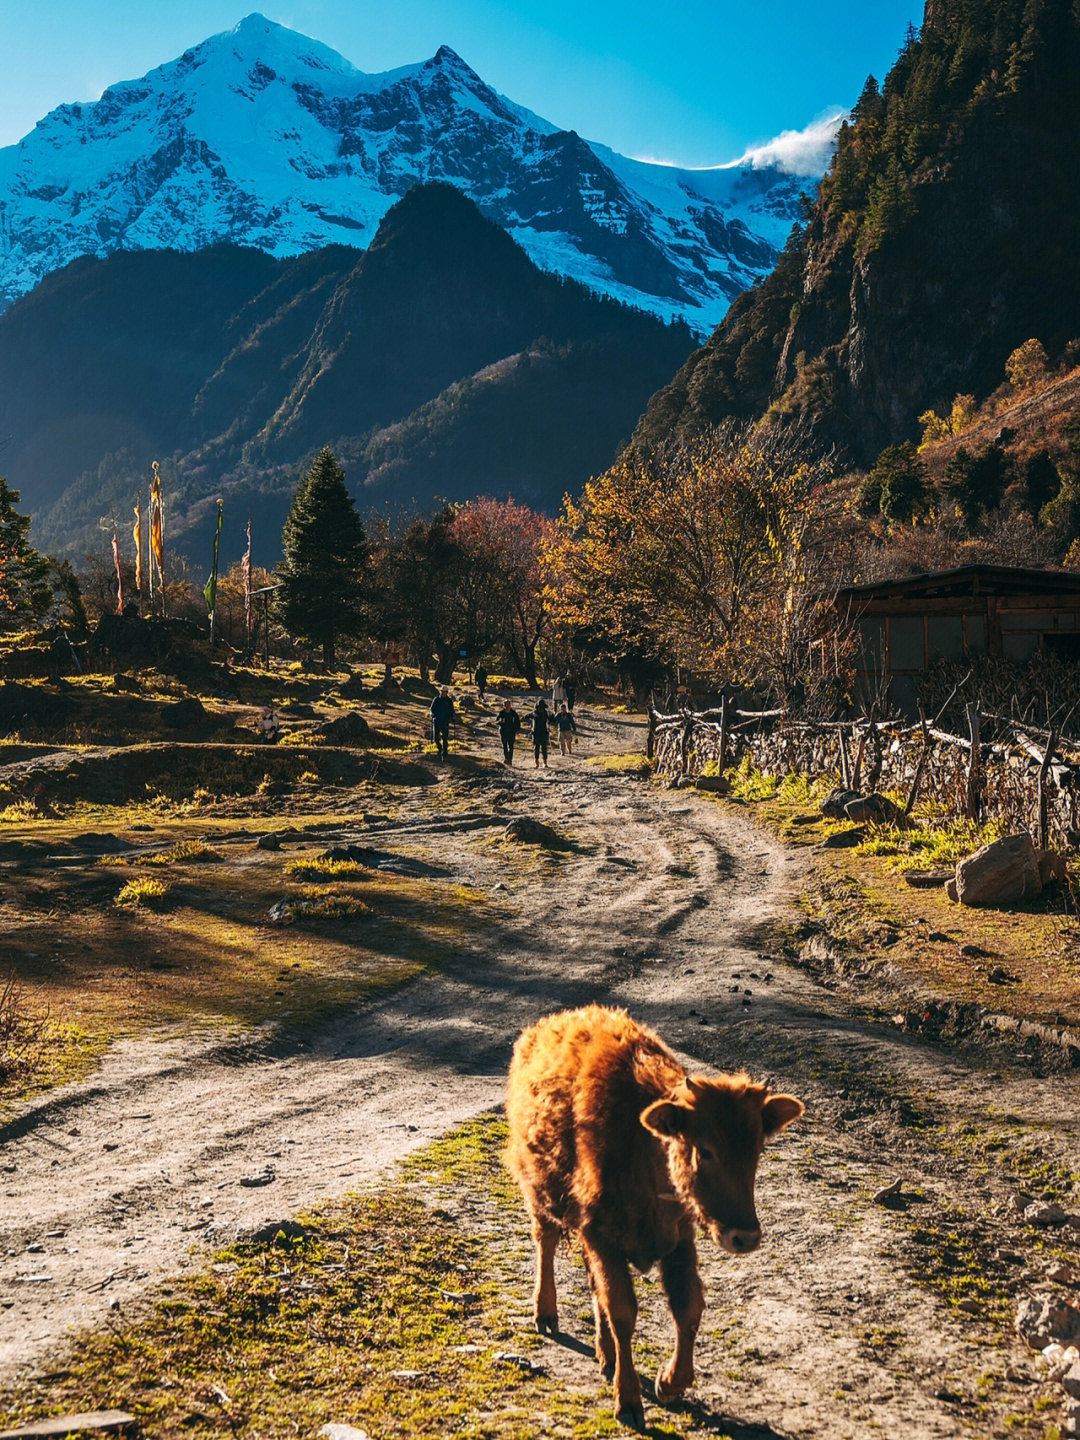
[(679, 1273), (617, 1304), (545, 1306)]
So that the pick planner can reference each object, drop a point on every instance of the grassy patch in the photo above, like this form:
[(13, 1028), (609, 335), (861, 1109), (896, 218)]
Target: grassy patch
[(187, 852), (385, 1313), (327, 869), (151, 893), (632, 762)]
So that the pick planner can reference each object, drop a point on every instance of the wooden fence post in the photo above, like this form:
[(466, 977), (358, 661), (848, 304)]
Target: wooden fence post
[(724, 714), (845, 762), (650, 739), (921, 765), (688, 731), (1044, 818), (972, 798), (877, 759)]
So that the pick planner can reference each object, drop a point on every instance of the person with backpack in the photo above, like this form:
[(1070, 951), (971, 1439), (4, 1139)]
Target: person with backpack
[(566, 728), (509, 723), (541, 717), (442, 712), (481, 679)]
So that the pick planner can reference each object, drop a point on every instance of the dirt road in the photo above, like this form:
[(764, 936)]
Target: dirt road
[(673, 906)]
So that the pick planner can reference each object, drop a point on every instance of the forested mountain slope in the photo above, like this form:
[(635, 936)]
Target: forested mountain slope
[(440, 362), (946, 233)]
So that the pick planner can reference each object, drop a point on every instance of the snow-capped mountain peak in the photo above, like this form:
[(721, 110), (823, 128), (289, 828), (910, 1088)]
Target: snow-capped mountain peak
[(264, 137)]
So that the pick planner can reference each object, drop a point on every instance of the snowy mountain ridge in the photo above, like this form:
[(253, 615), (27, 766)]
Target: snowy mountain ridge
[(264, 137)]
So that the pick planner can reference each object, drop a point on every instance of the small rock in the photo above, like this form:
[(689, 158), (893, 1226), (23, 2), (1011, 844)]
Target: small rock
[(938, 937), (973, 952), (508, 1357), (273, 1232), (270, 841), (844, 839), (889, 1193), (343, 1432), (1043, 1318), (266, 1177), (1062, 1274), (534, 832), (282, 912), (1045, 1213), (1070, 1381), (1000, 976)]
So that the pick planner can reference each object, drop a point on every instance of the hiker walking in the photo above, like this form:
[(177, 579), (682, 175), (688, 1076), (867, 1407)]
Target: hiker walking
[(567, 729), (442, 712), (541, 717), (509, 723), (570, 686), (481, 679), (558, 693)]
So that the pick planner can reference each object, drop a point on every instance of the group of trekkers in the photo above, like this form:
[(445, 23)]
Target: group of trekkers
[(543, 720)]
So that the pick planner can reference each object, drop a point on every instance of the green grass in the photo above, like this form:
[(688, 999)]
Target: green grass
[(326, 869), (384, 1313), (136, 893), (633, 762)]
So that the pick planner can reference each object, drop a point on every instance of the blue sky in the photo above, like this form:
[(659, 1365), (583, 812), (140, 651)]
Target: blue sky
[(692, 81)]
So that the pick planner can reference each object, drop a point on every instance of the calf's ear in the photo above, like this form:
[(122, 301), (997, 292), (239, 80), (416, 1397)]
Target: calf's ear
[(666, 1119), (778, 1112)]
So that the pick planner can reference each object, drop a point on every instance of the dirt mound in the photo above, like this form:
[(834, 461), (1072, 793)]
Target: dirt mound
[(115, 776)]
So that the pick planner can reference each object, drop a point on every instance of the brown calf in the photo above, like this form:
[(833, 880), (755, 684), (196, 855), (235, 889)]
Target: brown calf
[(612, 1141)]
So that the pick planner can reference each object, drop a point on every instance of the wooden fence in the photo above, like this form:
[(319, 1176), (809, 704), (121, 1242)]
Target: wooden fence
[(1027, 777)]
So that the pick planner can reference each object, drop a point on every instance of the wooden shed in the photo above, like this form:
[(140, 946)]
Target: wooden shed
[(999, 610)]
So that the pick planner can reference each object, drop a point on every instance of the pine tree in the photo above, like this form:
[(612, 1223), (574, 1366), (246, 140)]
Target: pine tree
[(25, 591), (326, 561)]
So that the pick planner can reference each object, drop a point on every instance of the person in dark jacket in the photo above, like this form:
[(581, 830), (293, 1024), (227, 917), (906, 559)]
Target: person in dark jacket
[(570, 686), (481, 678), (442, 712), (541, 718), (509, 723), (566, 728)]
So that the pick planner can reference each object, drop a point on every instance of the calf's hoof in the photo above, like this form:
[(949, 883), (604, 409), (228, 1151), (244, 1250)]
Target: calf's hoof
[(547, 1324), (670, 1384), (632, 1416)]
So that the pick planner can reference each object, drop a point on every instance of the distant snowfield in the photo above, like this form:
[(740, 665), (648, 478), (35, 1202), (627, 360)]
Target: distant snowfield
[(263, 137)]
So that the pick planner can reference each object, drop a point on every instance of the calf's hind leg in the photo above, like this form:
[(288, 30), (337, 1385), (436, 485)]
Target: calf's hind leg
[(617, 1303), (679, 1272), (605, 1345), (545, 1306)]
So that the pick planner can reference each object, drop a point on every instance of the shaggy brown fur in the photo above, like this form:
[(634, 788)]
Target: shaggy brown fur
[(612, 1141)]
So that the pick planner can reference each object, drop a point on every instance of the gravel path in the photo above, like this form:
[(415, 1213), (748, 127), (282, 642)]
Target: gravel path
[(669, 904)]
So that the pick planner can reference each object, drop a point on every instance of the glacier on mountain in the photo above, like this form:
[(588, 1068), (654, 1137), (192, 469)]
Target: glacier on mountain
[(263, 137)]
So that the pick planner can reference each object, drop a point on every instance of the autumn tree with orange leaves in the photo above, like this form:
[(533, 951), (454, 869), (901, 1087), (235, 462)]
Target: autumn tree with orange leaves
[(698, 558)]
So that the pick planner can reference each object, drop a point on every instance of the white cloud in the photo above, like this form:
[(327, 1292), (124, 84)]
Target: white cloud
[(797, 152)]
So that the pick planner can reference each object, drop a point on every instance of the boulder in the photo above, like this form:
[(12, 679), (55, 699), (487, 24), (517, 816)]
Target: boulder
[(348, 729), (1004, 872), (534, 832), (353, 687), (270, 841), (873, 810), (183, 714), (712, 784), (845, 839), (1041, 1319), (834, 802), (1052, 866)]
